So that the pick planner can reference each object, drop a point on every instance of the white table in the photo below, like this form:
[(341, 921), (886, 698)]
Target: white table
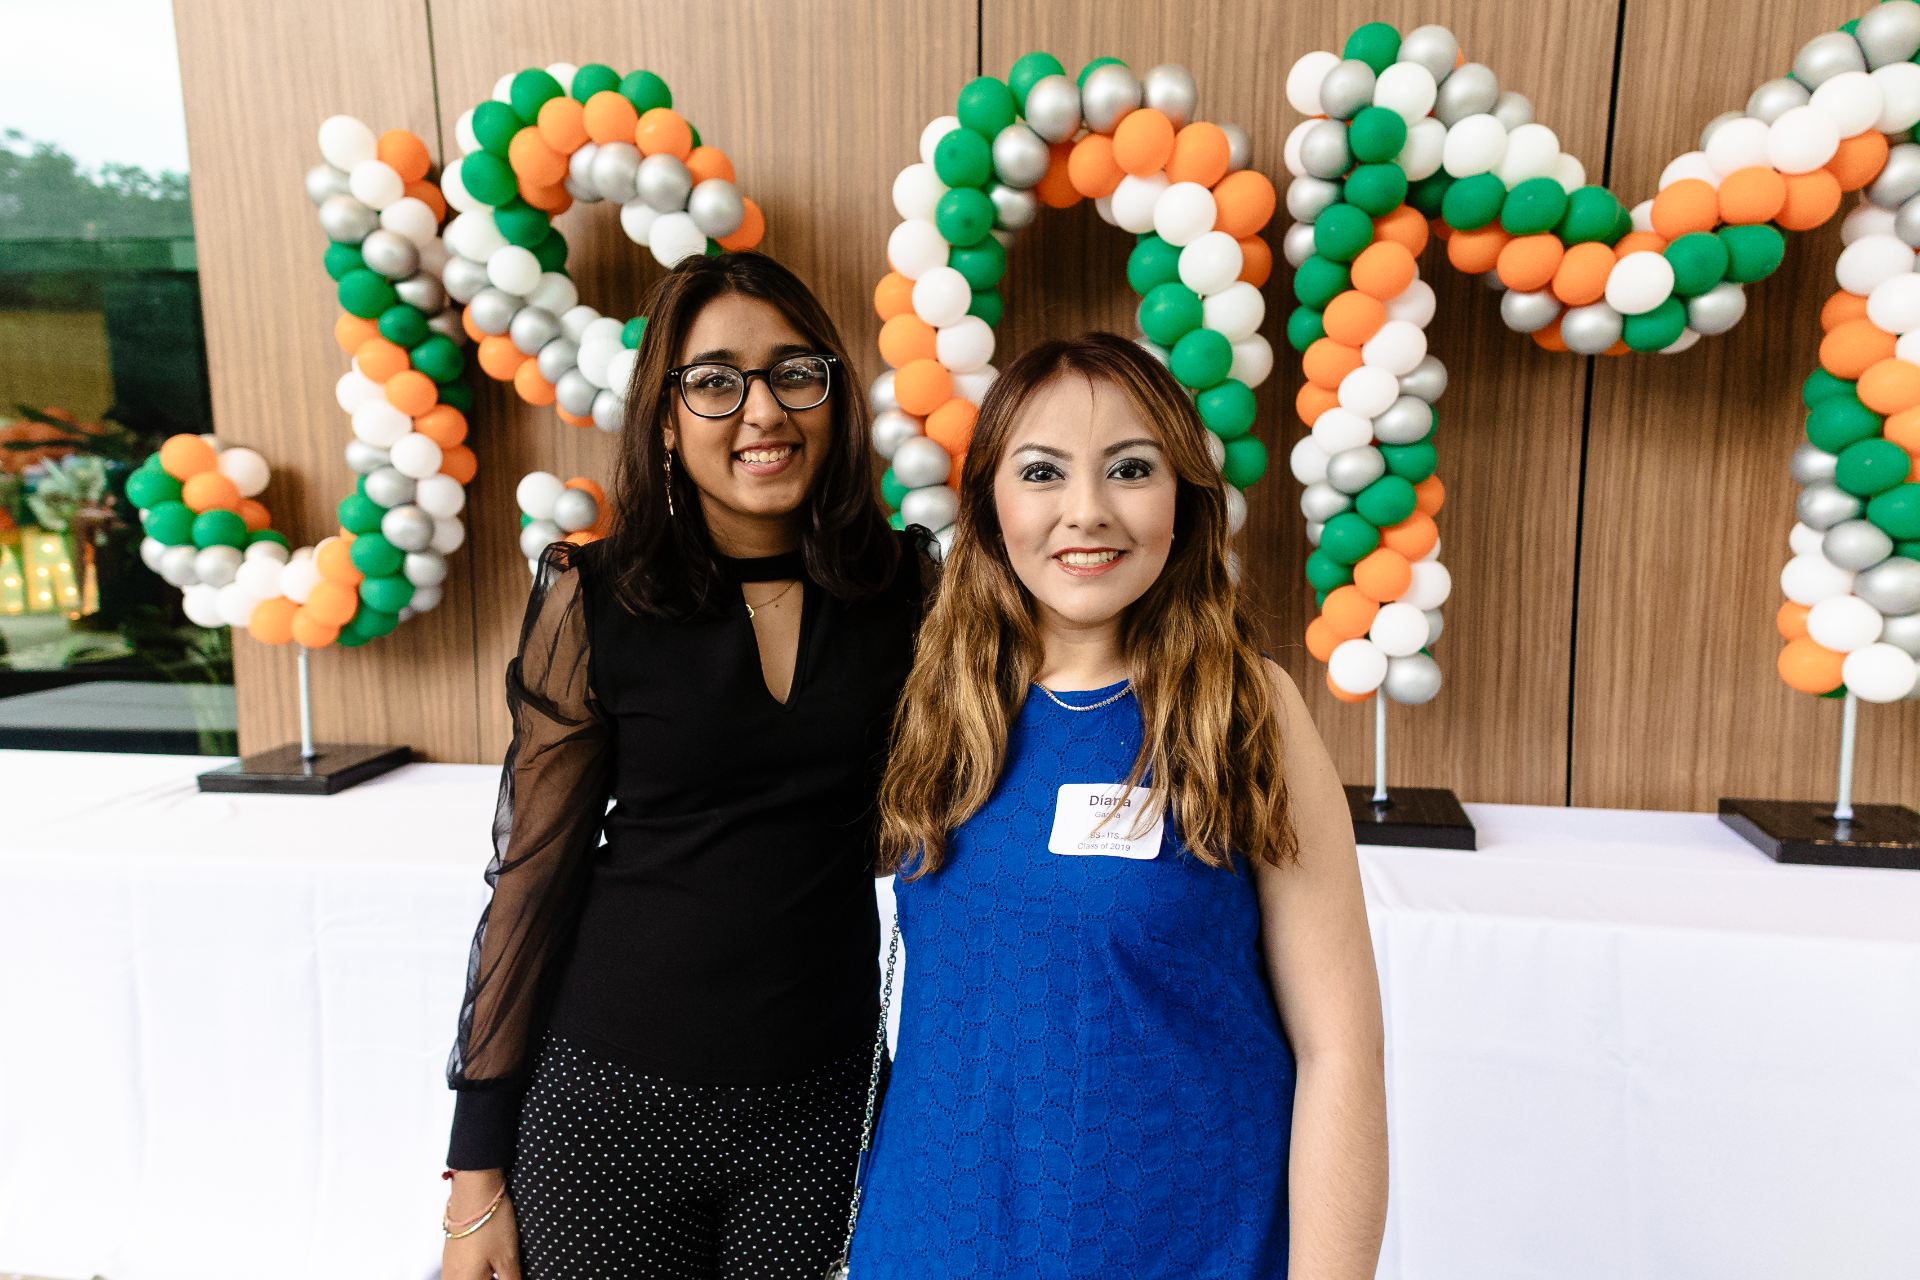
[(1620, 1044)]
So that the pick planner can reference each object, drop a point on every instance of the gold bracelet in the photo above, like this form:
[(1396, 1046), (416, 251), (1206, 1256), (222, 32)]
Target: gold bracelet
[(462, 1230)]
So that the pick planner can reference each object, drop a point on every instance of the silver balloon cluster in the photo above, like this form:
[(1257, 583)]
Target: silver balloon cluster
[(552, 509)]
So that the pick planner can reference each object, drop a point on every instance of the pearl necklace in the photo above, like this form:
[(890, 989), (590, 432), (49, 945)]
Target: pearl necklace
[(1108, 701)]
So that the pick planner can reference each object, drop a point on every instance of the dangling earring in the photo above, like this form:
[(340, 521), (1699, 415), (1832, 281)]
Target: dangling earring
[(667, 462)]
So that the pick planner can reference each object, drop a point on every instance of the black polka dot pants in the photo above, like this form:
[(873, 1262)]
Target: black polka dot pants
[(620, 1174)]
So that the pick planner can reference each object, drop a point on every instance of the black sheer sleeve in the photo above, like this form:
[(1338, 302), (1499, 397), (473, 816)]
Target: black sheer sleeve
[(553, 797)]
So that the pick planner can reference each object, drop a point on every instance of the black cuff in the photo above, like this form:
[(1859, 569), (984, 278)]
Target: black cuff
[(486, 1122)]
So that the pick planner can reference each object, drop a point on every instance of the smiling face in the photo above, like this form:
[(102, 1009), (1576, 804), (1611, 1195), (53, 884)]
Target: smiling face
[(754, 467), (1085, 499)]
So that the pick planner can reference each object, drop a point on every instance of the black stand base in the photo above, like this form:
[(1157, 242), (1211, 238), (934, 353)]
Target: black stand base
[(281, 771), (1880, 835), (1420, 817)]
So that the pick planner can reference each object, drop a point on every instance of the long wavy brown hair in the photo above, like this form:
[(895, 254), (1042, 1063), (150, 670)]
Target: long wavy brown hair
[(1211, 731)]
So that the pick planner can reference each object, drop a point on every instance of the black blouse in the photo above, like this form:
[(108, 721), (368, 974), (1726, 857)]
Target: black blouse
[(725, 931)]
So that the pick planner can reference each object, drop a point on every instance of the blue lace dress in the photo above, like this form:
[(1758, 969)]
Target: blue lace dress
[(1092, 1078)]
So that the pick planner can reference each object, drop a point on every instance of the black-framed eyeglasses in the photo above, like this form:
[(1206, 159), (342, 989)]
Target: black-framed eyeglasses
[(715, 390)]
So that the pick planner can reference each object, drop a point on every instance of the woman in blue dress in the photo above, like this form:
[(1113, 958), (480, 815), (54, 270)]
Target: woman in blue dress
[(1140, 1026)]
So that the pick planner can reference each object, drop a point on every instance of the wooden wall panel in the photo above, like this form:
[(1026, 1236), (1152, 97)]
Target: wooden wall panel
[(258, 84), (1510, 424), (1689, 499), (816, 104)]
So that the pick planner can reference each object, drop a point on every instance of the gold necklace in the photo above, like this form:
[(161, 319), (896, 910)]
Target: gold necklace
[(770, 599)]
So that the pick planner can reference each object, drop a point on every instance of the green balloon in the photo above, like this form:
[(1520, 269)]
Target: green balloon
[(891, 490), (1839, 420), (1246, 462), (1657, 329), (170, 522), (645, 91), (1472, 203), (982, 264), (1169, 312), (1533, 207), (1305, 327), (1869, 467), (1592, 216), (374, 556), (964, 216), (219, 529), (1341, 232), (359, 514), (404, 326), (1375, 44), (594, 77), (963, 158), (986, 105), (149, 486), (1348, 538), (1324, 573), (1201, 359), (897, 521), (1094, 66), (551, 253), (988, 305), (458, 394), (1910, 549), (437, 356), (1411, 462), (339, 259), (1897, 512), (1699, 261), (270, 535), (521, 223), (1318, 281), (632, 331), (1227, 408), (1821, 385), (366, 294), (1153, 262), (1429, 195), (530, 91), (374, 623), (1377, 135), (494, 124), (390, 594), (1387, 501), (1753, 252), (488, 178), (1030, 69), (1376, 189)]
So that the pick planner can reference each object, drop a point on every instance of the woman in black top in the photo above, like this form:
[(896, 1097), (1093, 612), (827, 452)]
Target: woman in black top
[(663, 1054)]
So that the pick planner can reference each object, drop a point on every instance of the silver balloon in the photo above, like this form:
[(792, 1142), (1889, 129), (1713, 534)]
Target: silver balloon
[(920, 462), (664, 182), (609, 411), (557, 358), (1321, 502), (574, 510), (1216, 451), (1111, 91), (1899, 179), (1902, 631), (425, 598), (324, 180), (1775, 98), (889, 430), (574, 393), (1892, 586), (1471, 90), (1020, 156), (1826, 56), (422, 292), (1529, 312), (716, 207), (390, 488), (1811, 463), (464, 279), (1406, 421), (1347, 89), (1412, 680), (1889, 33), (1713, 126), (424, 568), (1169, 89), (1906, 223), (580, 168), (491, 310), (1308, 197), (216, 565), (1298, 243), (1428, 379), (346, 220), (408, 528), (1239, 146), (576, 188), (390, 254), (1825, 504), (1433, 47), (447, 324), (1352, 470), (1435, 625), (1591, 329), (537, 536), (933, 507), (1236, 510), (533, 328), (1856, 545), (1324, 151), (1718, 309), (364, 459), (1013, 210), (176, 566), (1314, 529), (614, 168), (1053, 108), (1513, 110)]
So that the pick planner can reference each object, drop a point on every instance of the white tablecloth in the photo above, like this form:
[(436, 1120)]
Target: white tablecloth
[(1620, 1044)]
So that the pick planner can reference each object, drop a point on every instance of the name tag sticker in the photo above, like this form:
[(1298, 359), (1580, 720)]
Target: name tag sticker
[(1082, 805)]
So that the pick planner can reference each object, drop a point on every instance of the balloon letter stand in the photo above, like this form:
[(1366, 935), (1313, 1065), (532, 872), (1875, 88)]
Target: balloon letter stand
[(306, 769), (1423, 817), (1846, 835)]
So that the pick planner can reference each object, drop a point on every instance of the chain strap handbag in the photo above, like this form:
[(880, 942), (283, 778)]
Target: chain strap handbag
[(839, 1270)]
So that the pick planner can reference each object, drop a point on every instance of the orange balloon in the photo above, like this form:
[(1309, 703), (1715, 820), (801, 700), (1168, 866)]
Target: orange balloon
[(1690, 204), (1581, 277), (460, 463), (1639, 242), (1405, 227), (1312, 401), (533, 388), (1256, 260), (1805, 665), (1353, 317), (1791, 620), (185, 456), (332, 603), (955, 471), (1349, 611), (893, 296), (536, 163), (1329, 360), (1093, 168), (1384, 269), (1812, 198), (1528, 263), (921, 386), (560, 411), (210, 491), (429, 195), (380, 359), (404, 153), (1342, 694), (255, 514), (1322, 639), (1055, 188), (1143, 142), (1841, 307), (1412, 537), (333, 558), (1854, 347), (609, 117), (499, 357), (1859, 159), (661, 131), (1889, 386), (709, 163), (906, 338), (1903, 429), (563, 124), (1550, 338), (1243, 203), (350, 331), (589, 487), (473, 332), (1752, 195), (552, 201), (951, 425), (1383, 574), (1429, 495), (272, 620), (412, 392), (753, 226), (309, 632), (1201, 154), (1476, 252)]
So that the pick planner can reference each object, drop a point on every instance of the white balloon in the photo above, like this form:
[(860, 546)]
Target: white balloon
[(1415, 304), (941, 296), (636, 220), (1304, 79), (1809, 579), (917, 190), (915, 247), (1308, 460), (474, 237), (1868, 261), (298, 579), (1369, 391), (973, 386), (965, 345), (410, 216), (513, 269), (346, 142), (930, 136), (1639, 282), (355, 389), (555, 293), (537, 493), (440, 496), (201, 603), (448, 534), (1641, 216), (1851, 100), (1339, 429), (1908, 347), (235, 604), (1694, 164), (259, 577), (454, 188), (1805, 540), (1844, 623), (1880, 673), (620, 367), (380, 424), (463, 135), (1399, 629), (375, 184), (1867, 219), (1737, 144), (1357, 666), (1407, 89), (1569, 172), (1235, 311), (1210, 262), (676, 236), (416, 455), (247, 469), (1894, 305), (1290, 151), (1531, 152), (1802, 139), (1425, 148), (1431, 585), (1184, 212), (1398, 346), (1474, 145), (1134, 200), (1899, 85), (1252, 360)]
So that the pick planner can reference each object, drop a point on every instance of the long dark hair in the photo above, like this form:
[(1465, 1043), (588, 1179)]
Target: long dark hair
[(664, 564)]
